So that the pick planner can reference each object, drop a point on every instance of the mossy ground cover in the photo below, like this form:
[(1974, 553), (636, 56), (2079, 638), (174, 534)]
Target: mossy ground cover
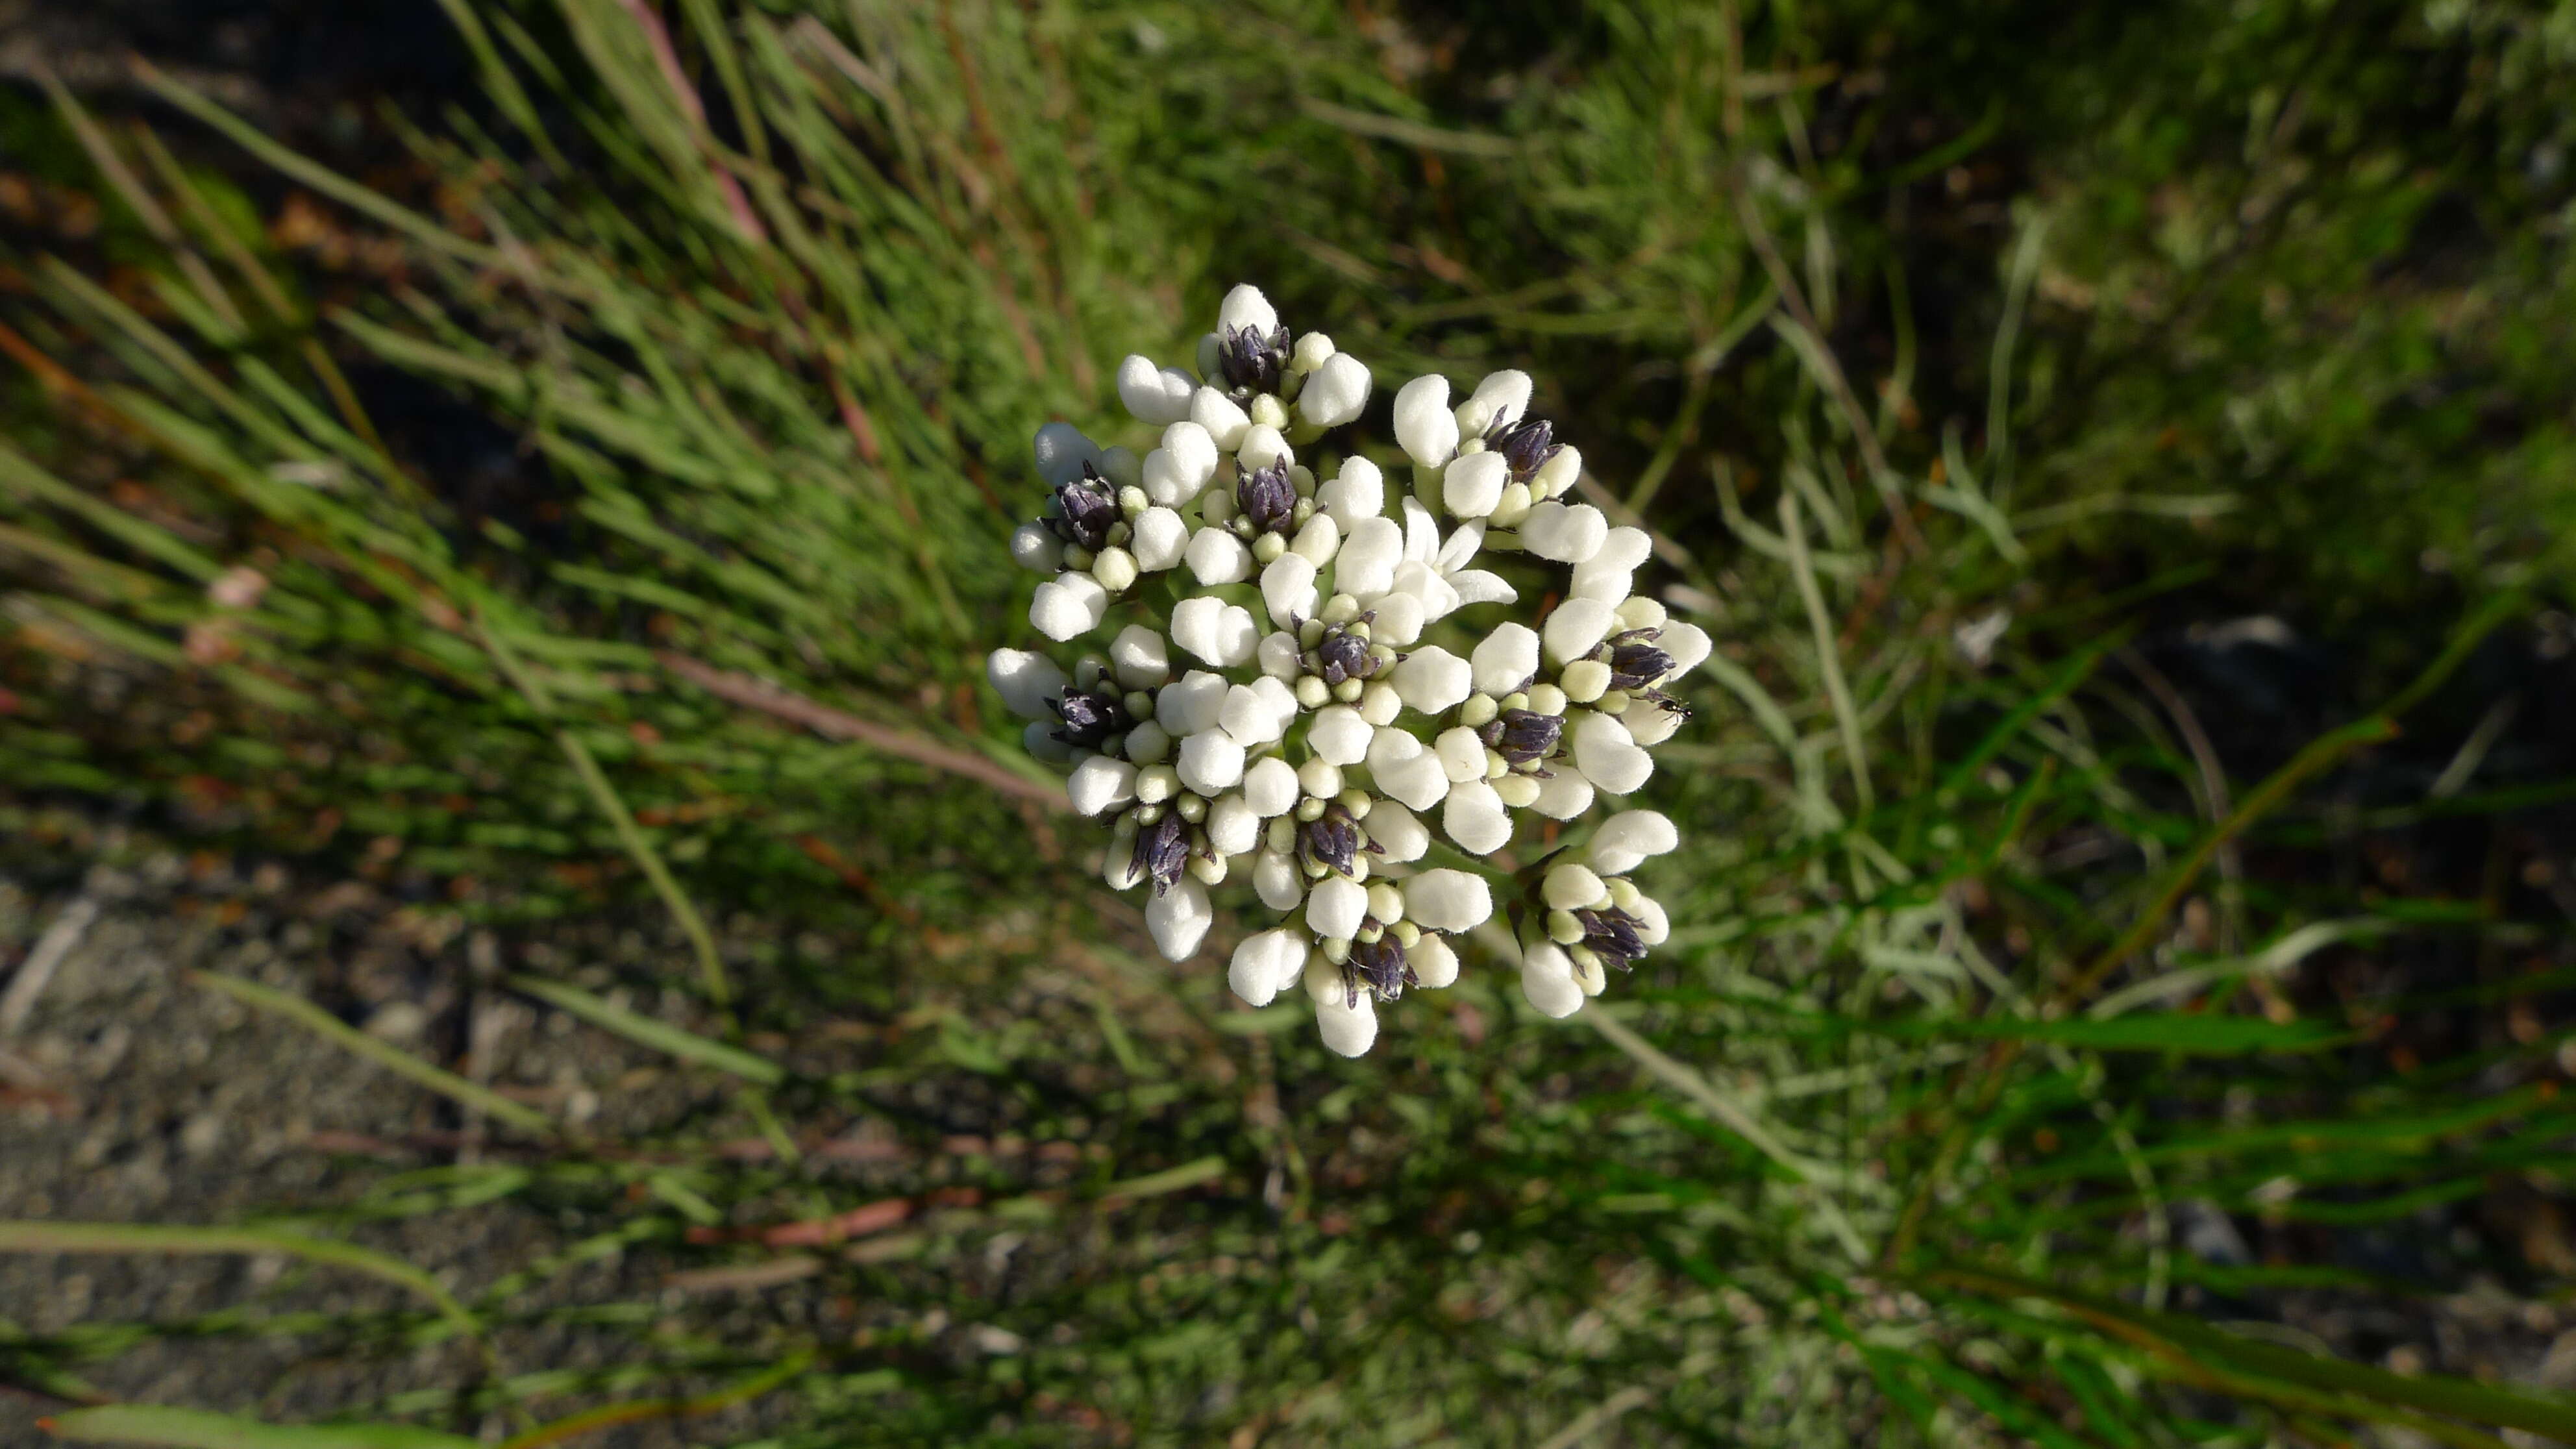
[(2120, 453)]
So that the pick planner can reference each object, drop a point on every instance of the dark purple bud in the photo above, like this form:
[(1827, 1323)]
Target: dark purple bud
[(1085, 507), (1268, 499), (1162, 849), (1331, 840), (1635, 662), (1251, 361), (1526, 445), (1380, 966), (1345, 655), (1523, 736), (1612, 935), (1090, 719)]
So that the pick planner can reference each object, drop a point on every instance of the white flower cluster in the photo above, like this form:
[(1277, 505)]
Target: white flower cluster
[(1276, 706)]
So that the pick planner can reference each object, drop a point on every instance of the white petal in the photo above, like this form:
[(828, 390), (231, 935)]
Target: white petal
[(1547, 981), (1338, 735), (1040, 741), (1629, 837), (1349, 1029), (1506, 659), (1570, 887), (1335, 393), (1160, 396), (1366, 564), (1262, 446), (1243, 307), (1025, 681), (1100, 784), (1653, 926), (1190, 703), (1434, 964), (1210, 762), (1650, 724), (1254, 972), (1161, 538), (1276, 879), (1357, 492), (1459, 548), (1270, 787), (1471, 486), (1194, 451), (1288, 590), (1236, 637), (1224, 421), (1404, 770), (1423, 424), (1424, 582), (1505, 394), (1280, 698), (1564, 795), (1558, 475), (1318, 541), (1035, 547), (1118, 865), (1232, 827), (1622, 550), (1335, 907), (1400, 617), (1476, 586), (1567, 533), (1687, 644), (1462, 754), (1607, 756), (1178, 919), (1140, 658), (1421, 532), (1576, 628), (1447, 900), (1216, 557), (1067, 606), (1277, 656), (1061, 451), (1247, 717), (1397, 831), (1432, 679), (1474, 816)]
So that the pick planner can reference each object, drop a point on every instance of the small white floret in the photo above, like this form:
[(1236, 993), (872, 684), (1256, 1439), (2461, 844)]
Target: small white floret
[(1396, 831), (1160, 540), (1277, 658), (1318, 541), (1471, 486), (1576, 628), (1547, 981), (1447, 900), (1335, 907), (1288, 589), (1651, 724), (1567, 533), (1232, 827), (1035, 547), (1336, 393), (1404, 770), (1434, 964), (1432, 679), (1040, 741), (1216, 556), (1178, 919), (1256, 971), (1140, 658), (1605, 575), (1607, 756), (1630, 837), (1068, 606), (1685, 644), (1248, 717), (1505, 396), (1339, 735), (1370, 552), (1099, 785), (1061, 451), (1190, 703), (1564, 795), (1220, 633), (1245, 306), (1349, 1029), (1224, 421), (1270, 787), (1474, 816), (1423, 423), (1276, 879), (1506, 659), (1462, 754), (1571, 887), (1357, 492), (1262, 446), (1025, 681), (1156, 395), (1400, 617), (1210, 762)]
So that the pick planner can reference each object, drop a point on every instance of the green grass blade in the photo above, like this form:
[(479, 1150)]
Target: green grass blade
[(27, 1237), (384, 1054), (197, 1429), (660, 1036)]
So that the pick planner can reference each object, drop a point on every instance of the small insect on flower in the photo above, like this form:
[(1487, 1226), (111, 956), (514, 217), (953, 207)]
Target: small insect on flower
[(1327, 672)]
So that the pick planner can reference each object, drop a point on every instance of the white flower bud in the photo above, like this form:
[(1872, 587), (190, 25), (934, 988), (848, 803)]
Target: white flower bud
[(1462, 754), (1232, 826), (1262, 446), (1370, 552), (1320, 779), (1288, 590), (1564, 795), (1210, 761), (1265, 962), (1576, 628), (1025, 681), (1139, 658), (1318, 541), (1404, 770), (1114, 570), (1278, 658), (1161, 539), (1434, 964), (1276, 879), (1686, 644), (1323, 980), (1471, 486), (1247, 718), (1447, 900), (1567, 533), (1311, 351), (1220, 633), (1035, 547), (1336, 392), (1068, 606), (1397, 832), (1099, 785), (1423, 424), (1557, 476), (1061, 451), (1159, 396), (1606, 754), (1629, 837), (1518, 792), (1506, 659), (1400, 617), (1589, 975), (1118, 866), (1431, 679), (1605, 575), (1281, 701), (1653, 926), (1225, 422), (1547, 981), (1270, 787), (1148, 743), (1245, 306), (1349, 1029), (1380, 704), (1216, 556), (1178, 919), (1570, 887), (1191, 703), (1505, 394), (1339, 735), (1334, 907), (1641, 613), (1474, 816), (1040, 741), (1357, 492), (1651, 724), (1585, 680)]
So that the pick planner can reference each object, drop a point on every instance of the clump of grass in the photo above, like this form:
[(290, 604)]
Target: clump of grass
[(1886, 1147)]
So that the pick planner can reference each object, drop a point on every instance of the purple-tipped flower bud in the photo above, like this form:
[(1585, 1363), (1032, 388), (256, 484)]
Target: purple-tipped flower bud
[(1526, 445), (1524, 737), (1162, 849), (1268, 499), (1635, 662), (1612, 936), (1379, 967), (1090, 719), (1252, 360), (1331, 840), (1085, 507)]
